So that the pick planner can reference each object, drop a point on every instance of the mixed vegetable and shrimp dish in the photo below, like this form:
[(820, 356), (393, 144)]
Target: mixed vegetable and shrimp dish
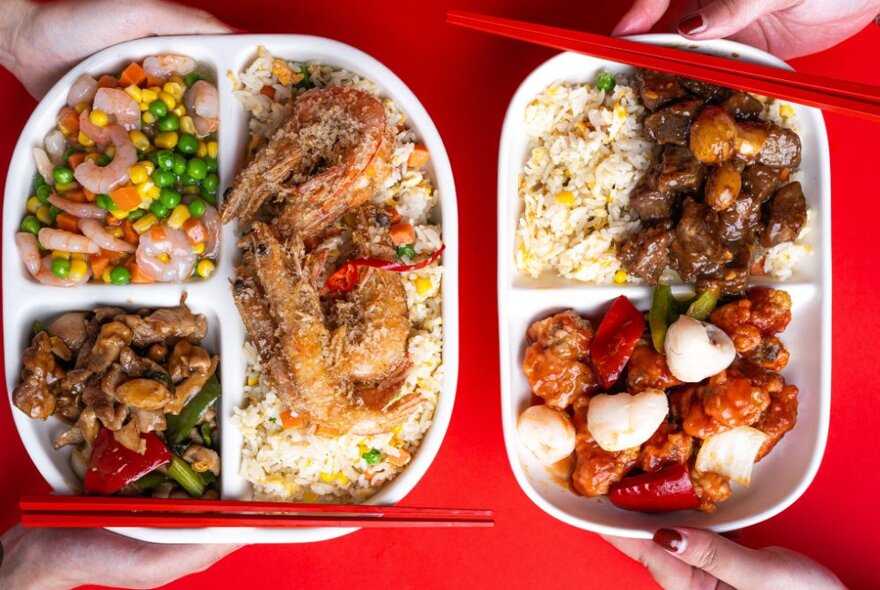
[(127, 184), (137, 391), (665, 418)]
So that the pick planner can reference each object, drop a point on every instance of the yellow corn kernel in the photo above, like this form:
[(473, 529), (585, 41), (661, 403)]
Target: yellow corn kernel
[(83, 140), (115, 231), (99, 118), (620, 277), (167, 140), (119, 214), (785, 110), (283, 72), (252, 381), (110, 151), (145, 223), (565, 198), (78, 269), (205, 268), (60, 254), (148, 166), (177, 80), (148, 95), (213, 149), (43, 215), (63, 188), (174, 89), (326, 477), (202, 150), (341, 479), (93, 157), (78, 256), (149, 118), (164, 258), (187, 126), (168, 100), (138, 174), (140, 141), (310, 497), (143, 187), (362, 448), (179, 110), (153, 192), (198, 248), (134, 92), (155, 89), (33, 204), (80, 107), (144, 106), (105, 276), (423, 285), (178, 216)]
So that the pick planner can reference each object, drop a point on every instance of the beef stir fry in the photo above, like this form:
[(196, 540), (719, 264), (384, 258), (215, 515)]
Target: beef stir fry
[(721, 193), (137, 392)]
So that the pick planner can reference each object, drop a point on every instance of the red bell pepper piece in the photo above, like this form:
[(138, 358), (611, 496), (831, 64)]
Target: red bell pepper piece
[(346, 278), (615, 340), (113, 466), (662, 491)]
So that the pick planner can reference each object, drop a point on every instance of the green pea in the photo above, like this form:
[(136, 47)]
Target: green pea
[(163, 178), (372, 456), (30, 224), (211, 164), (211, 183), (606, 82), (60, 267), (62, 175), (187, 144), (69, 152), (104, 159), (187, 180), (208, 196), (39, 180), (192, 78), (179, 166), (136, 214), (153, 157), (197, 207), (165, 159), (43, 193), (169, 122), (196, 168), (158, 209), (120, 276), (169, 197), (158, 108), (54, 212), (105, 202), (406, 251)]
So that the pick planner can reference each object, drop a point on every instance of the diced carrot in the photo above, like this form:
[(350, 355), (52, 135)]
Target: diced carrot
[(194, 230), (154, 81), (137, 275), (399, 460), (291, 420), (68, 120), (126, 198), (107, 81), (75, 159), (157, 233), (402, 233), (98, 262), (67, 222), (267, 90), (76, 196), (418, 157), (784, 174), (393, 215), (90, 196), (128, 233), (133, 74)]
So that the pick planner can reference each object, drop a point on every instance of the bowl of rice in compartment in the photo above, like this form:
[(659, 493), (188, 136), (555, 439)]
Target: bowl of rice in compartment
[(283, 458)]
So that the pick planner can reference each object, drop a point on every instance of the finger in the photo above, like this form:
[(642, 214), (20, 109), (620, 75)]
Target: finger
[(643, 15), (168, 18), (666, 569), (723, 18)]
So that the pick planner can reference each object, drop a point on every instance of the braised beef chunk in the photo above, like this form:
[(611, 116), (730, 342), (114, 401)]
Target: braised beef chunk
[(696, 246), (657, 89), (786, 215), (649, 202), (679, 170), (742, 105), (760, 181), (646, 253), (733, 277), (782, 148), (671, 123), (740, 220), (705, 90)]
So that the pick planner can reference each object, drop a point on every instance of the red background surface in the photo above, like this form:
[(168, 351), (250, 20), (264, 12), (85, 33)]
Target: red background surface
[(465, 81)]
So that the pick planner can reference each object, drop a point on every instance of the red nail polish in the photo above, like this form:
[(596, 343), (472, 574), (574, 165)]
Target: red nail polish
[(692, 24), (670, 540)]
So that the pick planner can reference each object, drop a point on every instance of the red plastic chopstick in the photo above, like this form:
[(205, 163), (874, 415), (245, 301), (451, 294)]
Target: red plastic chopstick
[(851, 98)]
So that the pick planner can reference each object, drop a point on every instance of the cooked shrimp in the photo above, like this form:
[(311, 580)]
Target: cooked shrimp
[(82, 91), (175, 245), (104, 179), (120, 105), (211, 220), (96, 233), (44, 165), (83, 210), (203, 104), (28, 250), (162, 66), (55, 144), (47, 277), (58, 239), (100, 135)]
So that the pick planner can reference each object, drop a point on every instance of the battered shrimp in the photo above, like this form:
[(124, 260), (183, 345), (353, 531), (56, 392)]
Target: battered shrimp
[(105, 179), (97, 234), (83, 210), (47, 277), (58, 239), (175, 245), (203, 104), (117, 103), (29, 251), (82, 91), (162, 66)]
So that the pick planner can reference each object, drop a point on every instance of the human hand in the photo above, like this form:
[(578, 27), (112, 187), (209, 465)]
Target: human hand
[(785, 28), (39, 42), (56, 559), (692, 558)]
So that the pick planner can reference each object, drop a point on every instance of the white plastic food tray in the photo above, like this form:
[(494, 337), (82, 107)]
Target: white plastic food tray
[(25, 301), (783, 476)]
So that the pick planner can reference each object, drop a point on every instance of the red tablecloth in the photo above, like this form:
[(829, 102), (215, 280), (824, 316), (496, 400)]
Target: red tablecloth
[(465, 81)]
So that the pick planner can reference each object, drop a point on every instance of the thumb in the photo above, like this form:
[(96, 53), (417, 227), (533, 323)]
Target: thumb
[(723, 18), (168, 18)]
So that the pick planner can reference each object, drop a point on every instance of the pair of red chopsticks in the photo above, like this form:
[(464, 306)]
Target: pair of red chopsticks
[(97, 511), (838, 96)]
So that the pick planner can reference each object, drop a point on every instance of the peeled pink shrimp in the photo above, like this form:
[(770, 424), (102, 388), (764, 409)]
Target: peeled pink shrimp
[(107, 178), (162, 66), (203, 104), (94, 231), (84, 210), (55, 144), (44, 165), (58, 239), (100, 135), (118, 104), (29, 250), (47, 277), (211, 220), (176, 245), (82, 91)]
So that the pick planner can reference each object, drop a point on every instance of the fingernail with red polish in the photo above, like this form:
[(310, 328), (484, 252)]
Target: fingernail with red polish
[(691, 25), (670, 540)]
